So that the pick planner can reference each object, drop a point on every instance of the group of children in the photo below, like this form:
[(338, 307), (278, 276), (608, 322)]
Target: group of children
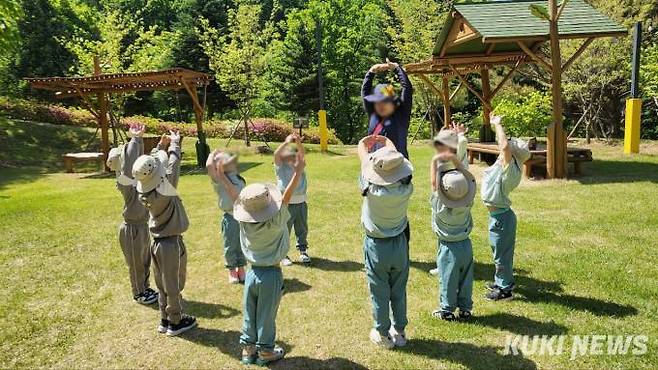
[(258, 218)]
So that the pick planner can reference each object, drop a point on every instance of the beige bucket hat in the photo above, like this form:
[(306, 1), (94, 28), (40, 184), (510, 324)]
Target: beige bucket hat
[(257, 203), (386, 166), (456, 186), (447, 137), (225, 158), (519, 149), (113, 161), (149, 170)]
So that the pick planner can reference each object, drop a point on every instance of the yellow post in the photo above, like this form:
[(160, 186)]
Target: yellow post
[(632, 130), (324, 132)]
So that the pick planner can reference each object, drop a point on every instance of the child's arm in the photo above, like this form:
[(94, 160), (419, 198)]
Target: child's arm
[(210, 165), (173, 172), (231, 190), (501, 138), (433, 164), (296, 176), (300, 146), (277, 153), (134, 149), (362, 147)]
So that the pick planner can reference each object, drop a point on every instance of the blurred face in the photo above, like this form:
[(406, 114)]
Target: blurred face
[(385, 108), (290, 160), (231, 167), (440, 148)]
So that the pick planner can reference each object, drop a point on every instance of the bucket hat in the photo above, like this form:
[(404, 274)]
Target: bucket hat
[(257, 203), (386, 166)]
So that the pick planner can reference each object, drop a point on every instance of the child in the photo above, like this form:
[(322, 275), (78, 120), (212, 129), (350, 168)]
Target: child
[(262, 212), (157, 178), (386, 188), (498, 181), (453, 191), (233, 256), (284, 162), (133, 232), (451, 140)]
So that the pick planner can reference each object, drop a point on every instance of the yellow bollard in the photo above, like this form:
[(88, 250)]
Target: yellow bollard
[(633, 122), (324, 132)]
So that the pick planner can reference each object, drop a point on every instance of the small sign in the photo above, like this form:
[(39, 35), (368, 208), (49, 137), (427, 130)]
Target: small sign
[(300, 122)]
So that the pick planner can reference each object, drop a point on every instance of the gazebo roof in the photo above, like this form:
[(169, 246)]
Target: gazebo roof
[(490, 33), (168, 79)]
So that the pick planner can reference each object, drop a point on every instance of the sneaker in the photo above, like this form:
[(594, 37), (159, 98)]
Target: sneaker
[(164, 324), (233, 277), (399, 338), (286, 261), (304, 258), (266, 357), (382, 341), (249, 355), (492, 286), (443, 315), (148, 297), (465, 314), (499, 295), (434, 271), (241, 274), (186, 323)]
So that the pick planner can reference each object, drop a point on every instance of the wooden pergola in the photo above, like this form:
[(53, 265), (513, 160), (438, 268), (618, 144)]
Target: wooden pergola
[(102, 85), (479, 36)]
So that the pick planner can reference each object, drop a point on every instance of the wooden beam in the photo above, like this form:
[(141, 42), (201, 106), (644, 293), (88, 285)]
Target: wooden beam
[(432, 86), (562, 6), (490, 48), (102, 119), (578, 52), (556, 140), (198, 110), (447, 117), (456, 90), (534, 56), (505, 79), (471, 88)]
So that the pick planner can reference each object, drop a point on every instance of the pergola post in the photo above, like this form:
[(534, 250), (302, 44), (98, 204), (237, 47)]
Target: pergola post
[(103, 121), (202, 148), (485, 130), (446, 102), (556, 141)]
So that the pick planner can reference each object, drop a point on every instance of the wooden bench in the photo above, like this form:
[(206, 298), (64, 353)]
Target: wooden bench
[(537, 159), (71, 158)]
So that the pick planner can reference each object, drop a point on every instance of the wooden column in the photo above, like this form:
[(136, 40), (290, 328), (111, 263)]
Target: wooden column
[(102, 116), (446, 102), (485, 130), (556, 156)]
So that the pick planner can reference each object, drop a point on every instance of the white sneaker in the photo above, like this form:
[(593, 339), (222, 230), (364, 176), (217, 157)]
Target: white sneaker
[(378, 339), (304, 258), (286, 261), (399, 338), (434, 271)]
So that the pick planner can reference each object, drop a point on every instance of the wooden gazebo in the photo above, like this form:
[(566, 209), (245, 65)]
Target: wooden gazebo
[(479, 36), (102, 85)]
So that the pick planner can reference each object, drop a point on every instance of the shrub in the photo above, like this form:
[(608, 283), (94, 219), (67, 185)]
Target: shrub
[(527, 114)]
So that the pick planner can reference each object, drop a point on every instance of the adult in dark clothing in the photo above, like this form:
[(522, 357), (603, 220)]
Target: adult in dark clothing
[(388, 113)]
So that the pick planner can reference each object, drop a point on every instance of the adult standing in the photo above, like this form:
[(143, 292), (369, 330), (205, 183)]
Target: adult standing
[(388, 113)]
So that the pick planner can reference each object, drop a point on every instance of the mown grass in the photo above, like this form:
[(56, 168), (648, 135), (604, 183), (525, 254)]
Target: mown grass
[(585, 262)]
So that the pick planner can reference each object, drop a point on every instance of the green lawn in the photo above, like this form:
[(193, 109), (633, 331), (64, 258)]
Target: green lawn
[(585, 263)]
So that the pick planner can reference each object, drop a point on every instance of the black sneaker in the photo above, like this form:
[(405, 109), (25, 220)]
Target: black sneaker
[(444, 315), (499, 295), (465, 315), (148, 297), (164, 324), (493, 286), (186, 323)]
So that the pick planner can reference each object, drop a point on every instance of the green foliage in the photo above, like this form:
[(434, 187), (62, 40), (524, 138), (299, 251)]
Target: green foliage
[(540, 12), (525, 114), (9, 15)]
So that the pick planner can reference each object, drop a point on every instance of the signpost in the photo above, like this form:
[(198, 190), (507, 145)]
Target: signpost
[(300, 123)]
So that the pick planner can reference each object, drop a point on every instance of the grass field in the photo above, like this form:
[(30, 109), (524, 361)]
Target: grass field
[(585, 264)]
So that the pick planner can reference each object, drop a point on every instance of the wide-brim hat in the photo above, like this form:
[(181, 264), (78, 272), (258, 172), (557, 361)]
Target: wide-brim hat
[(148, 170), (257, 203), (519, 149), (386, 166), (445, 168), (113, 161), (447, 137), (381, 93), (226, 158)]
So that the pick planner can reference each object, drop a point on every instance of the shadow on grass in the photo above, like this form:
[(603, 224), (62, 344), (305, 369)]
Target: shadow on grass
[(337, 363), (294, 285), (226, 342), (610, 171), (328, 265), (210, 310), (468, 355), (518, 324)]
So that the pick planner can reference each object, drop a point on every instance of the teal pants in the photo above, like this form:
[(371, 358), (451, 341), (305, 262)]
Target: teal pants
[(502, 237), (387, 272), (455, 262), (299, 220), (263, 288), (233, 256)]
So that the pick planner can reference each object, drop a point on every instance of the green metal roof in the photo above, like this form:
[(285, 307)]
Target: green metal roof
[(512, 19)]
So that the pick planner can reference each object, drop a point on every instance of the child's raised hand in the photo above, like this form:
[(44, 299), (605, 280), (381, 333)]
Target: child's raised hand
[(459, 128), (136, 130), (211, 157), (290, 138), (495, 119), (174, 136), (164, 141)]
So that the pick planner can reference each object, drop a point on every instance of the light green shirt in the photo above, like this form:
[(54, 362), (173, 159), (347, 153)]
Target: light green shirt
[(225, 202), (498, 181), (266, 243), (450, 224), (284, 173), (384, 208)]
